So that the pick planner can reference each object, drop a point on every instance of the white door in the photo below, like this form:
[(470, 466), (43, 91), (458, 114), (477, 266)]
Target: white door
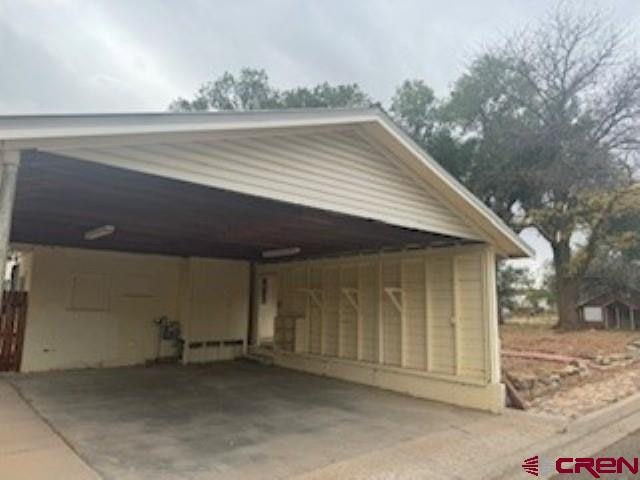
[(267, 307)]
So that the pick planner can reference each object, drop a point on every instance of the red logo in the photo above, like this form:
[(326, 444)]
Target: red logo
[(532, 465), (594, 466)]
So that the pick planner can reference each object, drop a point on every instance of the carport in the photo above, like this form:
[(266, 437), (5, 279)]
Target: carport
[(370, 262)]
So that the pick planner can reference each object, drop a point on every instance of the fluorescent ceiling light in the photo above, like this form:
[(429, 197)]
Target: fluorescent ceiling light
[(99, 232), (281, 252)]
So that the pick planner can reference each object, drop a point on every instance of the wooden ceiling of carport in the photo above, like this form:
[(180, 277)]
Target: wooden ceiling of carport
[(58, 199)]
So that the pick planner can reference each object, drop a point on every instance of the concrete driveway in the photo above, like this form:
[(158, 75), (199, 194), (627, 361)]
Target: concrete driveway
[(243, 420)]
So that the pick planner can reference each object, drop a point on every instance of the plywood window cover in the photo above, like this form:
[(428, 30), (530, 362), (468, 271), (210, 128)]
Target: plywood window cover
[(75, 304)]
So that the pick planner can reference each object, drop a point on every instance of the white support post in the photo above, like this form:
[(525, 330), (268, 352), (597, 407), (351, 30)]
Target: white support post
[(184, 307), (323, 315), (380, 314), (454, 317), (307, 311), (618, 323), (633, 318), (427, 317), (404, 351), (339, 332), (9, 161), (491, 316), (359, 319)]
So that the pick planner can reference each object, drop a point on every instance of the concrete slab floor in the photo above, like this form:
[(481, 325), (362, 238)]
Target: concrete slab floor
[(29, 448), (238, 419)]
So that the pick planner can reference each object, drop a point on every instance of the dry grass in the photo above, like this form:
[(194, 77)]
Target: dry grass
[(583, 343)]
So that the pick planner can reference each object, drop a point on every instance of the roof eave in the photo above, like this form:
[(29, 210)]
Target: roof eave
[(507, 241), (31, 131)]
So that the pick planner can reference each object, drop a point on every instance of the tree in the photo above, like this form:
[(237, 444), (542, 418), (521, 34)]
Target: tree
[(616, 264), (251, 90), (325, 96), (555, 114), (512, 282), (415, 108)]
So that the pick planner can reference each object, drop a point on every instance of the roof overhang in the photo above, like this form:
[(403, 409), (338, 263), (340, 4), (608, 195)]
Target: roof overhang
[(40, 132)]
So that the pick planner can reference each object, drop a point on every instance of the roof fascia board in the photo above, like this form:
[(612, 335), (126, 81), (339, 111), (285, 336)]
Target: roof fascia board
[(27, 132), (175, 138)]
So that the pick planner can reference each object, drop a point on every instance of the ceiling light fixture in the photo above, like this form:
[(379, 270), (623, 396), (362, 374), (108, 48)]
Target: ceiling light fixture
[(99, 232), (281, 252)]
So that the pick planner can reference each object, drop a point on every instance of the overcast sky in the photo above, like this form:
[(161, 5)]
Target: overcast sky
[(138, 55)]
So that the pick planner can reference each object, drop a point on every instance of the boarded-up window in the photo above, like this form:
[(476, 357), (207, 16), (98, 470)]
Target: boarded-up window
[(88, 291)]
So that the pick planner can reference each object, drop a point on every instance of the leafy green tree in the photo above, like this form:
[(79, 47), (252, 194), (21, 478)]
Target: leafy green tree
[(415, 108), (325, 95), (512, 283), (251, 90), (616, 264), (555, 114)]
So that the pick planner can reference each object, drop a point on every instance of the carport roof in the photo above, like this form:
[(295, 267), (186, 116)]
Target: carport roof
[(34, 132), (58, 199)]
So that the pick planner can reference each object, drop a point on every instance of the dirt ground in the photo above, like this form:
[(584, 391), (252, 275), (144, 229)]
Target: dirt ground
[(593, 368), (583, 343)]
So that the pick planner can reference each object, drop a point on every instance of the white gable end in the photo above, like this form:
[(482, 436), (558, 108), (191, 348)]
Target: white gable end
[(337, 171)]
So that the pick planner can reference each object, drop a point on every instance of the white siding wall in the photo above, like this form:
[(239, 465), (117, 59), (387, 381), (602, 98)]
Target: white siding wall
[(315, 310), (368, 295), (391, 317), (91, 308), (337, 171), (331, 308), (414, 313), (442, 331), (348, 315), (424, 311), (470, 304), (218, 309)]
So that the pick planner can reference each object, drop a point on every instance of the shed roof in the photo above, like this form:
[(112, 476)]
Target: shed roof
[(630, 297), (43, 132)]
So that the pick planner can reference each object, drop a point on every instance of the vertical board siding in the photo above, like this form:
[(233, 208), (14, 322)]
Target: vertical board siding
[(368, 296), (471, 328), (315, 311), (441, 327), (348, 332), (298, 297), (442, 330), (331, 301), (392, 319), (337, 171), (413, 286)]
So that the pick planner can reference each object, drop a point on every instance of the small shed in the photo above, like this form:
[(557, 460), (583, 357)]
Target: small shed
[(612, 311)]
